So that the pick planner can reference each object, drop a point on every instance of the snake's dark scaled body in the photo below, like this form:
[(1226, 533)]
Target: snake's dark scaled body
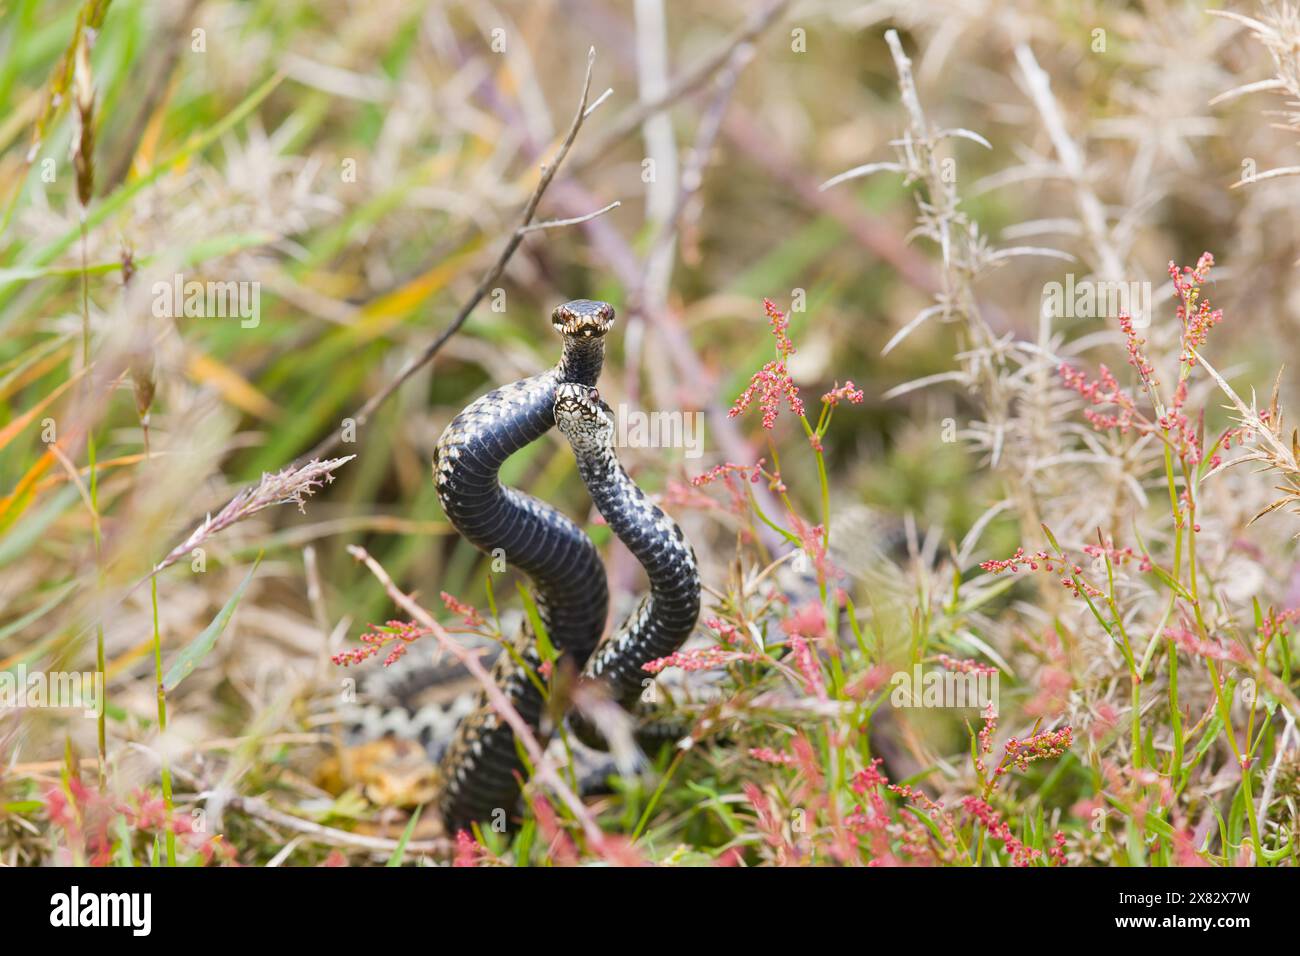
[(479, 770), (666, 617)]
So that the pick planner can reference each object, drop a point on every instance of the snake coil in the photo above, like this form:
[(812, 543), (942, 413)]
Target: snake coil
[(479, 772), (480, 769)]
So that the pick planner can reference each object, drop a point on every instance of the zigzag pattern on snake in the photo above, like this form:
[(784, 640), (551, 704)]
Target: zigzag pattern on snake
[(667, 615)]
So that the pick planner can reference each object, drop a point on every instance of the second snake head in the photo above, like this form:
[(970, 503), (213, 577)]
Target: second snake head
[(585, 420)]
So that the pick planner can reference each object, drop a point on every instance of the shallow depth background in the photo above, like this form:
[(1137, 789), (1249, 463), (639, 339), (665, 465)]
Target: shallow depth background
[(364, 162)]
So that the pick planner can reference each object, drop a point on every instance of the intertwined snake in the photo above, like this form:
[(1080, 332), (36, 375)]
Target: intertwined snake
[(667, 615), (480, 769)]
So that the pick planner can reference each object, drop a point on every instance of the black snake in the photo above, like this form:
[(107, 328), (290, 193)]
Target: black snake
[(481, 766)]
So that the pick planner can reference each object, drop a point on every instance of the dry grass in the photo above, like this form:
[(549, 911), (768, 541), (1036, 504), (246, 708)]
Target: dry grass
[(375, 170)]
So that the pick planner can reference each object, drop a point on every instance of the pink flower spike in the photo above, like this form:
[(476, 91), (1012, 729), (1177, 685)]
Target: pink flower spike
[(772, 383), (846, 392), (700, 659)]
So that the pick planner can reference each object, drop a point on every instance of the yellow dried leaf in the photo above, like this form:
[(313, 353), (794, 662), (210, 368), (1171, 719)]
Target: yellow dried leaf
[(234, 388)]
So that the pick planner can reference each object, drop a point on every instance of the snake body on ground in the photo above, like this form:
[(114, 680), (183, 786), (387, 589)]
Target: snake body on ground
[(666, 616), (481, 767)]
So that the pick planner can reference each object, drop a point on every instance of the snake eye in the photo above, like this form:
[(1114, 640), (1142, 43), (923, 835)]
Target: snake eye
[(593, 394)]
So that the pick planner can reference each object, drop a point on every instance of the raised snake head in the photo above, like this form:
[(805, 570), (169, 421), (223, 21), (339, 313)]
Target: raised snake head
[(586, 421), (585, 317)]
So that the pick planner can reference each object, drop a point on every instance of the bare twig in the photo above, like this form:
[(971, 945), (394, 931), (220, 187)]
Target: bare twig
[(256, 807), (876, 237), (575, 221), (362, 415), (156, 85), (1091, 211), (661, 145), (688, 82), (692, 177), (1270, 781), (648, 296), (542, 768), (259, 808), (597, 101)]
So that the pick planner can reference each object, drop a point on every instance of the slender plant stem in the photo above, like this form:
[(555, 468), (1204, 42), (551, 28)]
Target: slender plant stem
[(100, 662), (165, 769), (659, 792)]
